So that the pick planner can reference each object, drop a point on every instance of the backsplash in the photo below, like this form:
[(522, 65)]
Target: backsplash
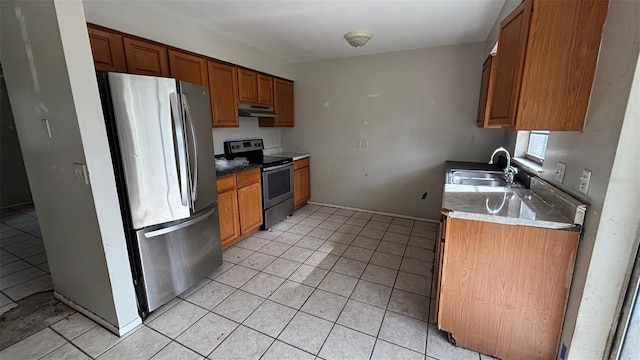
[(248, 129)]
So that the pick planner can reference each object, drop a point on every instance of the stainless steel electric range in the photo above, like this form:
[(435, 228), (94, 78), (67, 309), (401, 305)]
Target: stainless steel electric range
[(277, 178)]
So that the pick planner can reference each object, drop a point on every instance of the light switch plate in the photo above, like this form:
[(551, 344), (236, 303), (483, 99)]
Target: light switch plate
[(358, 143), (584, 181), (560, 169), (80, 170), (365, 143)]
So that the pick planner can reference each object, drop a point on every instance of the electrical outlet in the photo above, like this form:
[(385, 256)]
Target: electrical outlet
[(559, 174), (584, 181), (358, 143), (365, 143)]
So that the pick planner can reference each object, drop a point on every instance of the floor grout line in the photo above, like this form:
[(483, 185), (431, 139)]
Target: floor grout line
[(359, 278), (314, 289)]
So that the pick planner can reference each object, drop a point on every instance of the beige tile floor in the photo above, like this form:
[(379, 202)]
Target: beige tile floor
[(326, 283), (23, 263)]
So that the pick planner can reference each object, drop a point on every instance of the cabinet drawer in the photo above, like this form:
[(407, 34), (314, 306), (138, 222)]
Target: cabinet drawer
[(227, 182), (299, 164), (248, 177)]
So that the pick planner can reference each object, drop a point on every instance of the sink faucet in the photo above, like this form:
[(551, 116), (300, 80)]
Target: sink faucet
[(509, 171)]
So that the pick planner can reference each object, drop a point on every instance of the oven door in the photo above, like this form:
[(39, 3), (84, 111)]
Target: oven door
[(277, 184)]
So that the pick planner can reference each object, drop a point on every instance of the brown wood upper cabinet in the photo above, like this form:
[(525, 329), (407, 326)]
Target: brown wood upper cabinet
[(486, 91), (247, 86), (254, 88), (188, 67), (512, 45), (265, 90), (146, 58), (547, 54), (283, 105), (228, 84), (108, 50), (223, 89)]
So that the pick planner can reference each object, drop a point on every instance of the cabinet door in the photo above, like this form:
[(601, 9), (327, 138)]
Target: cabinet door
[(247, 86), (301, 186), (498, 277), (512, 46), (223, 89), (146, 58), (229, 225), (486, 91), (250, 205), (564, 42), (283, 98), (187, 67), (265, 90), (108, 51)]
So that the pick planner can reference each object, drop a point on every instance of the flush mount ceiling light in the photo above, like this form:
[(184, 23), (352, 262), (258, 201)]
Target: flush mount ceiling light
[(358, 38)]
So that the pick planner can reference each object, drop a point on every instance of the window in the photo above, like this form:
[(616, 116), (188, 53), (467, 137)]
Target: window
[(537, 146)]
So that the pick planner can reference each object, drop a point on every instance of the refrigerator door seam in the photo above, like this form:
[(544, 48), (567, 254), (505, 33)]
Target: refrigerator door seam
[(179, 134), (194, 182)]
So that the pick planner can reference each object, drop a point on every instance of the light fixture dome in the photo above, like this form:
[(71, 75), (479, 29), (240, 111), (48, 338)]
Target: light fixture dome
[(358, 38)]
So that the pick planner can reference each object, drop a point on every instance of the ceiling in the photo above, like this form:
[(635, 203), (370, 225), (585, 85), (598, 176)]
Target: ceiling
[(301, 31)]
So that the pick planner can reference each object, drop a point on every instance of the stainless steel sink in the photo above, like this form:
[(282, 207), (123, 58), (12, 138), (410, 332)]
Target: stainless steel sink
[(476, 178), (479, 182)]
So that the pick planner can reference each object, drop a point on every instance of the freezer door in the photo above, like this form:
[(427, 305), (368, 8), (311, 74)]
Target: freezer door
[(150, 154), (176, 256), (197, 113)]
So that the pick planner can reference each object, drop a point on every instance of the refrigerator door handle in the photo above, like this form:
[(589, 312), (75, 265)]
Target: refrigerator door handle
[(183, 225), (181, 147), (194, 181)]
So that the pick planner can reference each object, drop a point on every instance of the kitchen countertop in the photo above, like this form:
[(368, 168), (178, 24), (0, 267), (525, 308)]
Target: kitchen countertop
[(237, 169), (540, 206), (294, 155)]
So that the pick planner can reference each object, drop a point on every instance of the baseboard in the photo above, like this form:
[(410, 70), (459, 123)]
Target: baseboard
[(375, 212), (104, 323)]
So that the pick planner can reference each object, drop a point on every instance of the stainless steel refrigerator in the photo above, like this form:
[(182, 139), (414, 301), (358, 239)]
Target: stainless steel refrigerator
[(162, 149)]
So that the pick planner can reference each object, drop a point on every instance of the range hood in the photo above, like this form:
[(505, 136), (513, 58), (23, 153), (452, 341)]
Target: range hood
[(256, 111)]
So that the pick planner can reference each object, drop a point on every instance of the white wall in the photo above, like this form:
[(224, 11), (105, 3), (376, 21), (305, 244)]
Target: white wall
[(611, 266), (416, 108), (603, 254), (49, 74), (142, 19), (248, 129)]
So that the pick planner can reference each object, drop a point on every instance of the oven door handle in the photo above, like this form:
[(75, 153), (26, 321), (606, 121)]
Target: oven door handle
[(267, 169)]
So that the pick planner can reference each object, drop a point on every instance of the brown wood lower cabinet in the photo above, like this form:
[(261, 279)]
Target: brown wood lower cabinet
[(240, 206), (250, 207), (301, 182), (502, 288), (228, 214)]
